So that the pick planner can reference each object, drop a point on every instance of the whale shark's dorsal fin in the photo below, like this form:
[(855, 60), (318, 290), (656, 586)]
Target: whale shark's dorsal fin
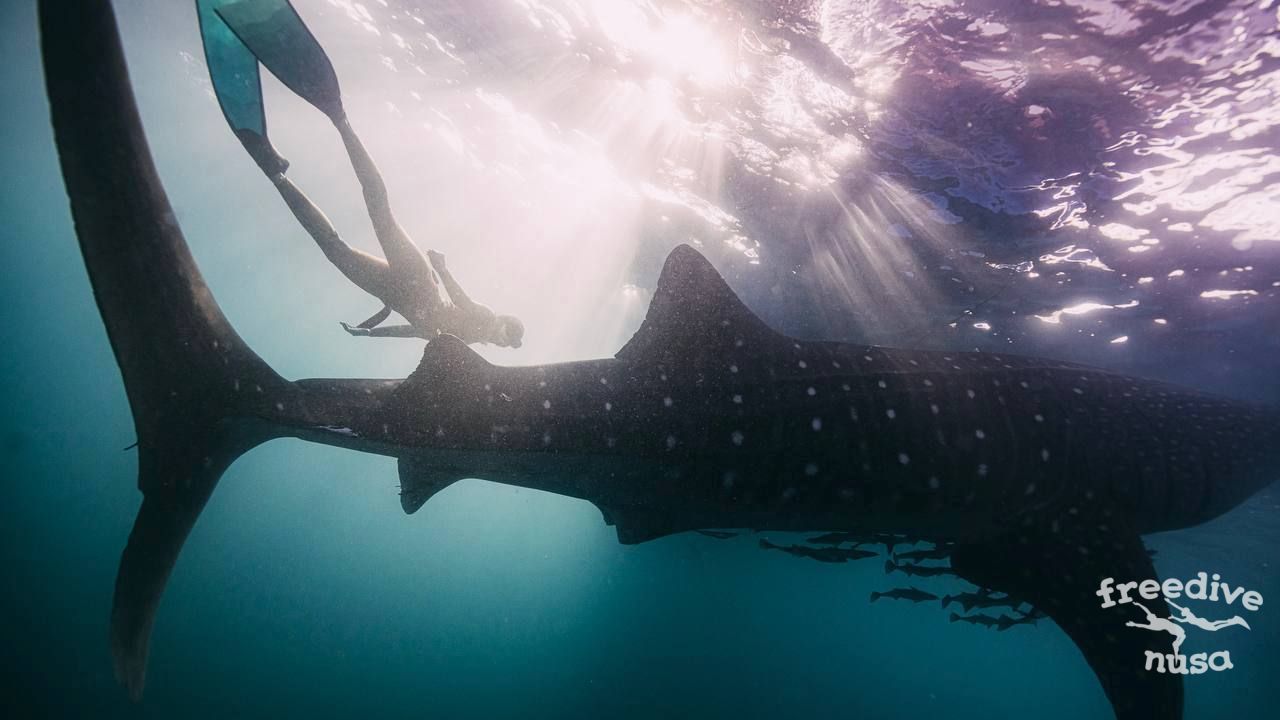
[(445, 361), (696, 315)]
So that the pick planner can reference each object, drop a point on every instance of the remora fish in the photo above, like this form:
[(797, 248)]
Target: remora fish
[(1000, 622), (916, 570), (836, 538), (821, 554), (913, 594), (941, 552), (707, 418), (984, 620), (971, 600)]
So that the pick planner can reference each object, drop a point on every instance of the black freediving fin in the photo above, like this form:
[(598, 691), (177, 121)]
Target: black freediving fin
[(193, 385), (419, 482), (275, 33), (1059, 573)]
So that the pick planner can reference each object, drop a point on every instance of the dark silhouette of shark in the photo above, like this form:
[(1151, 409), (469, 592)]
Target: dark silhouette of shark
[(707, 418)]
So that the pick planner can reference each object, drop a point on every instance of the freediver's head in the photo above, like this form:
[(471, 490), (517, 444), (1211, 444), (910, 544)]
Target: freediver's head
[(508, 331)]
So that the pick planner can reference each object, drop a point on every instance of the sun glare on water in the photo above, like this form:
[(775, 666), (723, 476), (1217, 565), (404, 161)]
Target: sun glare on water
[(678, 45)]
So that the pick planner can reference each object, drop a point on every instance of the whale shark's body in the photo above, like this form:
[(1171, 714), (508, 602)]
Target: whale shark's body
[(1042, 474)]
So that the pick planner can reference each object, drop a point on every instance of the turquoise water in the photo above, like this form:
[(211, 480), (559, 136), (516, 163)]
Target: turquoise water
[(304, 590)]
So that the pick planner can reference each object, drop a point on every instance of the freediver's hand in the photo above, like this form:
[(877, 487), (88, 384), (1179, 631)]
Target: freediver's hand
[(355, 331)]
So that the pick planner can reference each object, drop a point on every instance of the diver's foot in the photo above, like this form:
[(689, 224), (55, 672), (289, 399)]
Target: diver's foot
[(331, 106), (271, 163), (355, 331), (337, 115), (262, 153)]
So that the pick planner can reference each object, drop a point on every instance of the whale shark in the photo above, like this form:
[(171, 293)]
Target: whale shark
[(1040, 476)]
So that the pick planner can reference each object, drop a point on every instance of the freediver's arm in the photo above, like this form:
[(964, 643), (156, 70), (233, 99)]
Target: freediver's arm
[(377, 318), (456, 293), (386, 331), (400, 331)]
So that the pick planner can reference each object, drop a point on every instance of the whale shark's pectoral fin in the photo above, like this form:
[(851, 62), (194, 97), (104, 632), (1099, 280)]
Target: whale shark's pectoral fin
[(696, 317), (419, 482), (636, 525), (1060, 573)]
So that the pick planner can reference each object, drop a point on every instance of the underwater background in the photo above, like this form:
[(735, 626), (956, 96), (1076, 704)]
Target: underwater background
[(1091, 180)]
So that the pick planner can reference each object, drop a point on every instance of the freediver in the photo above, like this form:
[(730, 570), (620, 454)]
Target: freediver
[(419, 287), (237, 36)]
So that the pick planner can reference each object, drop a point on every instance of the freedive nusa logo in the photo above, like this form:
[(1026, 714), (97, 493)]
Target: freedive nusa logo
[(1201, 587)]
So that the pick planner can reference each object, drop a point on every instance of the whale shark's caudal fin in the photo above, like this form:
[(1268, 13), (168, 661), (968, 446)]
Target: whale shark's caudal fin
[(695, 316), (196, 390)]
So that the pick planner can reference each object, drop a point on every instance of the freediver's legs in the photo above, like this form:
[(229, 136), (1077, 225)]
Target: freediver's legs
[(403, 256), (262, 153), (369, 273)]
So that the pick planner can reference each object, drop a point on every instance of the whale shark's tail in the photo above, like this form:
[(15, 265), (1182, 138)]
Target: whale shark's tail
[(197, 392)]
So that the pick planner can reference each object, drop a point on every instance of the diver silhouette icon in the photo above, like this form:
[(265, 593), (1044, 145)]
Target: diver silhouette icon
[(1186, 617), (1158, 624)]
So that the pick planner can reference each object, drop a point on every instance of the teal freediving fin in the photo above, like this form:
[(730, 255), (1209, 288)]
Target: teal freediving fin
[(274, 32), (233, 70)]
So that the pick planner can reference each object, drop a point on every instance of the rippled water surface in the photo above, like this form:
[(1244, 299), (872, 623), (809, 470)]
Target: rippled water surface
[(1052, 176)]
